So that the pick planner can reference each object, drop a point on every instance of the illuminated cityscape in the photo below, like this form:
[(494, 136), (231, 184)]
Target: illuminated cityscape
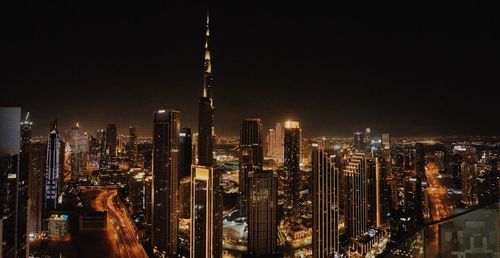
[(312, 152)]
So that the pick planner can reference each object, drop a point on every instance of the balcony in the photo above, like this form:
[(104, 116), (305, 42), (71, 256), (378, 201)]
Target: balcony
[(472, 234)]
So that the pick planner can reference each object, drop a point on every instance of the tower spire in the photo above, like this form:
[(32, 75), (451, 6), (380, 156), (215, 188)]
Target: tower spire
[(207, 77)]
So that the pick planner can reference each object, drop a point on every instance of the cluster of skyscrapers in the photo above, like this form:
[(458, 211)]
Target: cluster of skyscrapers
[(349, 194)]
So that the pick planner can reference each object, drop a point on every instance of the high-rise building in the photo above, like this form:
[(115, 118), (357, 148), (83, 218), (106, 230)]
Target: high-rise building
[(148, 199), (206, 192), (136, 192), (22, 187), (78, 143), (469, 174), (111, 141), (292, 142), (185, 153), (368, 135), (97, 150), (55, 169), (278, 146), (145, 156), (251, 138), (132, 147), (356, 199), (251, 156), (206, 115), (359, 141), (326, 208), (417, 211), (9, 180), (206, 213), (373, 177), (36, 186), (385, 193), (262, 217), (270, 149), (166, 129), (386, 141), (385, 152)]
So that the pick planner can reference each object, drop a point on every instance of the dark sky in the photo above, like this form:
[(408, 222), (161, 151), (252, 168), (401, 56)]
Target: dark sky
[(408, 69)]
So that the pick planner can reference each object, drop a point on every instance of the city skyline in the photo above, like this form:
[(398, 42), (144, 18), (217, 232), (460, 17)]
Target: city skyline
[(123, 66), (360, 134)]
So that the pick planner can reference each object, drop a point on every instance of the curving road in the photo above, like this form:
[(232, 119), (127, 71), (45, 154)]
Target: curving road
[(120, 227)]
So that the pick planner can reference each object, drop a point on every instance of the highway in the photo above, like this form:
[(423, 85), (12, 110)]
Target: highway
[(439, 209), (120, 228), (437, 191)]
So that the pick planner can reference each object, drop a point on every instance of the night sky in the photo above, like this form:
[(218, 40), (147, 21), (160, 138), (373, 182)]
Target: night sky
[(407, 69)]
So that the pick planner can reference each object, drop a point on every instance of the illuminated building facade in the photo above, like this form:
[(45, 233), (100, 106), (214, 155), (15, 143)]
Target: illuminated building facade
[(136, 192), (469, 174), (292, 146), (326, 208), (368, 135), (359, 141), (166, 129), (206, 192), (79, 146), (262, 217), (356, 199), (55, 168), (206, 213), (251, 157), (270, 149), (36, 186), (278, 146)]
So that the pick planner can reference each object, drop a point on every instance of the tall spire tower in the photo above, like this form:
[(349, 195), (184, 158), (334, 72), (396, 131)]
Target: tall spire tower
[(207, 76), (206, 129), (206, 192)]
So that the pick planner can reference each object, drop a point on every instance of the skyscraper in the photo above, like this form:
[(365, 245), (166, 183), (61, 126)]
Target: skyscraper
[(78, 143), (386, 141), (111, 141), (251, 156), (55, 169), (9, 174), (206, 192), (206, 115), (368, 135), (292, 142), (279, 152), (372, 166), (206, 213), (132, 147), (270, 143), (22, 187), (136, 191), (36, 186), (356, 210), (262, 218), (326, 194), (359, 141), (420, 152), (185, 153), (385, 152), (166, 127), (469, 170)]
